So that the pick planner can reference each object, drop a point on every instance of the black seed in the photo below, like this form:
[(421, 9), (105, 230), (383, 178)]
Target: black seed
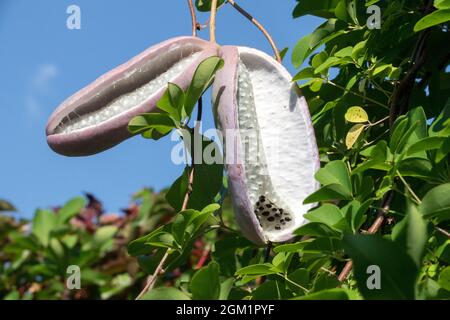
[(261, 208), (283, 223), (274, 209), (278, 227), (257, 204), (277, 215), (287, 219), (270, 219), (262, 198), (281, 211), (281, 220), (265, 213), (268, 206)]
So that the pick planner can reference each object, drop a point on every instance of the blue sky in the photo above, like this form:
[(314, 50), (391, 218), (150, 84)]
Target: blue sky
[(42, 63)]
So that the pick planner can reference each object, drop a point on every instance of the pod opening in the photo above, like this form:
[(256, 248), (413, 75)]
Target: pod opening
[(279, 159), (135, 87)]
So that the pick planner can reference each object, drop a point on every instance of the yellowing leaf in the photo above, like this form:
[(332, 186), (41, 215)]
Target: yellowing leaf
[(353, 135), (356, 115)]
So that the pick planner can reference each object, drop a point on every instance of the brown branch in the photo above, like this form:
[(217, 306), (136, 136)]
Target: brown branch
[(402, 93), (259, 26), (376, 225)]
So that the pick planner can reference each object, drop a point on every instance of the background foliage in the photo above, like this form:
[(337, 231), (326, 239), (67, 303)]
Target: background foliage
[(379, 100)]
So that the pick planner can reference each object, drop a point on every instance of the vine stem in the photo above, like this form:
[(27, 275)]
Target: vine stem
[(376, 225), (212, 22), (416, 198), (193, 17), (259, 26), (151, 280), (357, 94)]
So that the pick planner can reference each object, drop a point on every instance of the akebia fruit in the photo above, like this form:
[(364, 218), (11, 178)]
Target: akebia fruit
[(96, 118), (267, 130)]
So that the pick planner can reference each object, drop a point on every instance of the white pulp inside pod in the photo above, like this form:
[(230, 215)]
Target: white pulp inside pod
[(127, 101), (281, 176)]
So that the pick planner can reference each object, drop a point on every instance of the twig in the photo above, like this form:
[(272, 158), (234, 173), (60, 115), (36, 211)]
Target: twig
[(259, 26), (212, 22), (416, 198), (376, 225), (193, 17), (444, 232), (203, 257), (357, 94), (379, 121), (151, 281)]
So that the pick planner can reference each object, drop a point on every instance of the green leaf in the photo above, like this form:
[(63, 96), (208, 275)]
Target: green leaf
[(306, 73), (441, 125), (151, 125), (181, 223), (330, 294), (208, 179), (328, 214), (317, 229), (102, 235), (345, 52), (301, 51), (262, 269), (283, 53), (205, 5), (432, 19), (329, 192), (205, 284), (323, 9), (44, 222), (177, 192), (425, 144), (358, 49), (411, 233), (201, 81), (165, 294), (335, 172), (442, 4), (328, 63), (225, 288), (444, 279), (144, 245), (172, 102), (372, 250), (436, 203), (70, 209)]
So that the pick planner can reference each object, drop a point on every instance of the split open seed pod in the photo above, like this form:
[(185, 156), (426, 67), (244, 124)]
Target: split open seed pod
[(270, 148), (96, 118)]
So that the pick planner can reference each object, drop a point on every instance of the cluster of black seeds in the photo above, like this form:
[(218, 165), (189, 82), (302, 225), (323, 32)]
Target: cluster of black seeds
[(270, 216)]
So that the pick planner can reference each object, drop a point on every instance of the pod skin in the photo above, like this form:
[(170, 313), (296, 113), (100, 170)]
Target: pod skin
[(96, 118), (254, 93)]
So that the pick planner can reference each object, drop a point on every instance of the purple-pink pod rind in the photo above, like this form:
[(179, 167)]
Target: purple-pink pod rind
[(224, 95), (226, 114), (107, 134)]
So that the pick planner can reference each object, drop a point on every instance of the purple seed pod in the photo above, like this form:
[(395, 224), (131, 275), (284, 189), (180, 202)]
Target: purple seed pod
[(270, 148), (96, 118)]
